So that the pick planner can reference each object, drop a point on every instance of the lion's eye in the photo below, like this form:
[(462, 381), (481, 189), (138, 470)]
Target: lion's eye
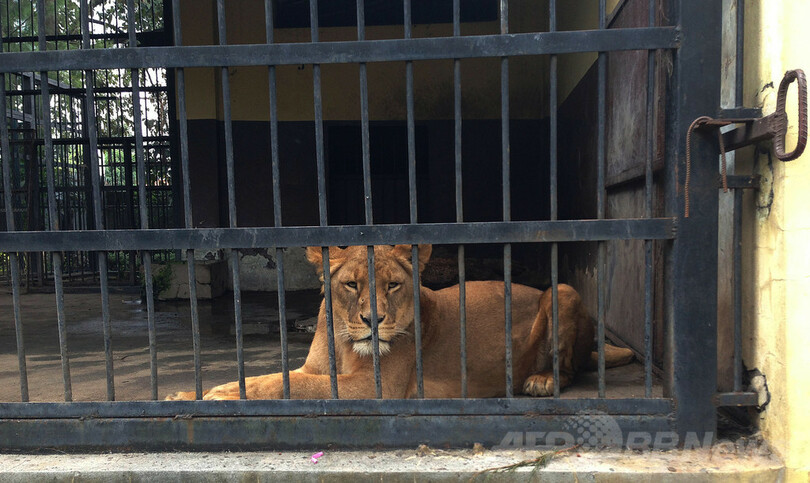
[(351, 284), (393, 285)]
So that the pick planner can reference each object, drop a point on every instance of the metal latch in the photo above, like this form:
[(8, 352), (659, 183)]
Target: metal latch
[(775, 125), (754, 129)]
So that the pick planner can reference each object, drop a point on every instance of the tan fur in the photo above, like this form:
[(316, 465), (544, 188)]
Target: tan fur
[(531, 336)]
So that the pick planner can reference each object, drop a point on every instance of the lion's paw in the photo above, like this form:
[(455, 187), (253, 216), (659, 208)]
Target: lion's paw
[(181, 396), (539, 385)]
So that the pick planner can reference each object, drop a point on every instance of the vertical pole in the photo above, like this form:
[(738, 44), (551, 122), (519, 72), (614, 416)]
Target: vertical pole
[(692, 257)]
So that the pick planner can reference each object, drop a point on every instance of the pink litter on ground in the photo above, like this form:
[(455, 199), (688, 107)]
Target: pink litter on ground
[(314, 458)]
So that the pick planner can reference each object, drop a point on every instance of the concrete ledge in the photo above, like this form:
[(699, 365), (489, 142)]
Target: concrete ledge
[(402, 465)]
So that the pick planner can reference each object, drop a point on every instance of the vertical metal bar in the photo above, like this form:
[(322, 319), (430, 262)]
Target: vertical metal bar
[(691, 295), (8, 199), (192, 276), (319, 158), (740, 55), (412, 197), (555, 306), (372, 273), (462, 273), (738, 365), (142, 208), (53, 220), (282, 304), (234, 255), (648, 212), (507, 204), (98, 215), (600, 187)]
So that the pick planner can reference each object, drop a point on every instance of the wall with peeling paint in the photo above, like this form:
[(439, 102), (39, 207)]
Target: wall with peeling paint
[(776, 243)]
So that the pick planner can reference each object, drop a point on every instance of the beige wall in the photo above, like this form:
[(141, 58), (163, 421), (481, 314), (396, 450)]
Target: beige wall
[(433, 80), (777, 303), (577, 15)]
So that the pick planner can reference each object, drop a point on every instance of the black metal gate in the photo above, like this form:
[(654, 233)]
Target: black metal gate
[(689, 38)]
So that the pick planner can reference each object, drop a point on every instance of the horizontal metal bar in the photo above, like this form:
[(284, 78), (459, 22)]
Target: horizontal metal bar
[(446, 233), (740, 181), (293, 432), (726, 399), (332, 407), (739, 112), (749, 133), (102, 140), (346, 52)]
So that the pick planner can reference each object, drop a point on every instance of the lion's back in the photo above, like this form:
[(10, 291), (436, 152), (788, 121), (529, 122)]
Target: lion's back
[(485, 337)]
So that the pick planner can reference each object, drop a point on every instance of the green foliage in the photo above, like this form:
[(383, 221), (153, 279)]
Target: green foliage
[(162, 280)]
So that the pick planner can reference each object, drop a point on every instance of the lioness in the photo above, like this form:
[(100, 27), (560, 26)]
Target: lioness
[(531, 336)]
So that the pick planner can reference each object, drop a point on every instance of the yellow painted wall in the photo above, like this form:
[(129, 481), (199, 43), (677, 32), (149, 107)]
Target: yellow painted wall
[(778, 304), (433, 80), (577, 15)]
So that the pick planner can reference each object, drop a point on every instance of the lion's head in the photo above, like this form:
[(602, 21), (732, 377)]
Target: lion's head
[(351, 304)]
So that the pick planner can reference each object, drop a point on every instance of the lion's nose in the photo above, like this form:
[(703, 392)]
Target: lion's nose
[(367, 321)]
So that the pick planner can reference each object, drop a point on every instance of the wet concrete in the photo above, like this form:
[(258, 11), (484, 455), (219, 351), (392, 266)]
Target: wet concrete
[(174, 345)]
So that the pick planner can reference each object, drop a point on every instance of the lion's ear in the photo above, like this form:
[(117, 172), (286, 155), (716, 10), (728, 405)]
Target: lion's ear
[(315, 257), (404, 252)]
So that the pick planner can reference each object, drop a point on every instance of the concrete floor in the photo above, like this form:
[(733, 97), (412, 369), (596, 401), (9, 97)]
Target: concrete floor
[(174, 346)]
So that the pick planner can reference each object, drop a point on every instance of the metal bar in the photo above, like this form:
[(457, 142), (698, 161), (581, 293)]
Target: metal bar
[(303, 433), (142, 208), (330, 328), (739, 113), (187, 210), (739, 61), (369, 213), (74, 141), (412, 202), (334, 407), (691, 295), (740, 181), (507, 201), (53, 219), (277, 221), (726, 399), (462, 273), (542, 43), (98, 215), (79, 91), (737, 300), (648, 212), (374, 322), (322, 208), (450, 233), (8, 200), (600, 210), (555, 305), (749, 133), (232, 221)]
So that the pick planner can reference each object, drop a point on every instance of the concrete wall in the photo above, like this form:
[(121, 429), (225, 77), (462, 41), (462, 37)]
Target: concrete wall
[(777, 301)]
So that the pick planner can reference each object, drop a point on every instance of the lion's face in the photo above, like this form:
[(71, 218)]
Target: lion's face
[(351, 300)]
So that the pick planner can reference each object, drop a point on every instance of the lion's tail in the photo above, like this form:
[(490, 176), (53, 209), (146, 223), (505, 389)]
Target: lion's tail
[(614, 357)]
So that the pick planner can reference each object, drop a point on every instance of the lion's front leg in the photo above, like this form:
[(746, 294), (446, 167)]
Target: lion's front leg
[(306, 386), (182, 396), (269, 386)]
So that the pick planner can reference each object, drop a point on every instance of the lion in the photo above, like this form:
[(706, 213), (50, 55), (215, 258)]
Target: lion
[(532, 346)]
